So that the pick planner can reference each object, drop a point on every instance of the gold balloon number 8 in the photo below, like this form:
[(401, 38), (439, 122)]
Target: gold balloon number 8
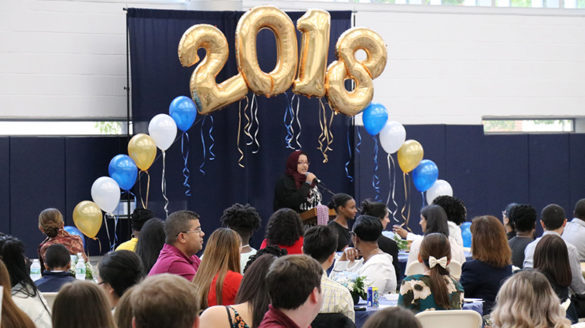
[(313, 78)]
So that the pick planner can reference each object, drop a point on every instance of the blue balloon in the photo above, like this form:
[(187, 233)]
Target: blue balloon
[(123, 170), (183, 111), (425, 174), (74, 231), (466, 233), (374, 118)]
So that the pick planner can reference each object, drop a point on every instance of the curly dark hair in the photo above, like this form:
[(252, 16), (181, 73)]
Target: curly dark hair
[(272, 250), (454, 207), (284, 227), (244, 219)]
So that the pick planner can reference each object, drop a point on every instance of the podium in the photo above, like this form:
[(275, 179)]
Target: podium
[(309, 217)]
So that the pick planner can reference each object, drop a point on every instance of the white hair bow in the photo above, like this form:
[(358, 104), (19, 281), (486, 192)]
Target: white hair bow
[(442, 262)]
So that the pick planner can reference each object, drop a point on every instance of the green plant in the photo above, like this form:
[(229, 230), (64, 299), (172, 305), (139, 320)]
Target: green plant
[(401, 243)]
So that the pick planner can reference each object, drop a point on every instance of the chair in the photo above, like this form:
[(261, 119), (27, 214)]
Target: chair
[(50, 298), (450, 319), (419, 268)]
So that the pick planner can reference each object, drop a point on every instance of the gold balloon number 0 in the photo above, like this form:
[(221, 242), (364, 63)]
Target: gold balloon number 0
[(313, 77)]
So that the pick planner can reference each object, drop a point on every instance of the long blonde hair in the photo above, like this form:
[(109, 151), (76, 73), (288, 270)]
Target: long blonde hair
[(221, 254), (12, 315), (526, 300)]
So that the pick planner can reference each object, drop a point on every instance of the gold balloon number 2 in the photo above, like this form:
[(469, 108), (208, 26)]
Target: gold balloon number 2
[(313, 78)]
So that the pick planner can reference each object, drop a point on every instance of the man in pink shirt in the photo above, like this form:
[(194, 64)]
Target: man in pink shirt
[(184, 239)]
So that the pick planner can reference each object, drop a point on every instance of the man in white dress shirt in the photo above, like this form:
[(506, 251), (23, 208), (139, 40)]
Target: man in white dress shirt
[(553, 221), (575, 230), (320, 242)]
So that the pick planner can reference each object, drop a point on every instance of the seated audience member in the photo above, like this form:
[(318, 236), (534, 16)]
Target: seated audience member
[(484, 274), (435, 289), (345, 209), (271, 250), (12, 315), (245, 220), (58, 263), (434, 219), (151, 242), (252, 299), (119, 271), (575, 230), (165, 300), (375, 265), (51, 224), (24, 291), (508, 222), (137, 220), (393, 317), (123, 312), (552, 219), (218, 278), (184, 238), (527, 300), (551, 258), (299, 303), (524, 218), (285, 230), (387, 245), (456, 213), (320, 243), (81, 304)]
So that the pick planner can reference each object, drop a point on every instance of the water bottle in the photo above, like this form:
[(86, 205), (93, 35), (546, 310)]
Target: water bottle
[(80, 269), (35, 270)]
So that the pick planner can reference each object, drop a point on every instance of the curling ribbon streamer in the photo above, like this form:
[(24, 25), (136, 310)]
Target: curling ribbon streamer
[(296, 116), (144, 204), (105, 218), (359, 142), (288, 111), (163, 185), (326, 137), (422, 195), (349, 127), (375, 178), (406, 201), (212, 142), (186, 172), (250, 125), (239, 131), (203, 148), (392, 179)]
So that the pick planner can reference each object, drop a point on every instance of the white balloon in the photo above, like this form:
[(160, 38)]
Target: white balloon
[(105, 192), (439, 188), (163, 130), (392, 136)]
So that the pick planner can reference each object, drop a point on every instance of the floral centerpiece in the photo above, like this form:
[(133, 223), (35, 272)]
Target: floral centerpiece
[(401, 243), (356, 286)]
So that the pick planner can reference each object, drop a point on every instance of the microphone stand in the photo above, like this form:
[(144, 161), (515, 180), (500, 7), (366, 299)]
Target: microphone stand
[(323, 187)]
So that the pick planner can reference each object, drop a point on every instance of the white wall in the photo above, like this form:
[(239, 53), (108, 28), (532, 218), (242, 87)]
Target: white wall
[(447, 65)]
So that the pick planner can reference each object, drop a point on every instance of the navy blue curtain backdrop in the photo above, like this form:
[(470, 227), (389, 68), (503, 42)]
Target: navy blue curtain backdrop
[(486, 171), (158, 77)]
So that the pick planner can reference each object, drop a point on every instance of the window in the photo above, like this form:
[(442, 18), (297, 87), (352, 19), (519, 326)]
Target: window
[(63, 128), (525, 125)]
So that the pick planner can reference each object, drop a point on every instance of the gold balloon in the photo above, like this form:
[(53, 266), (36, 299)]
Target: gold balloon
[(314, 25), (142, 150), (361, 72), (206, 93), (409, 155), (281, 77), (87, 217)]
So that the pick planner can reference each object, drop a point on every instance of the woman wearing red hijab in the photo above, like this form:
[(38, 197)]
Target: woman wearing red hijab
[(297, 188)]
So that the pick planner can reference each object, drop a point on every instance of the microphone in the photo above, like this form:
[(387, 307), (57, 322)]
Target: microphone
[(316, 180)]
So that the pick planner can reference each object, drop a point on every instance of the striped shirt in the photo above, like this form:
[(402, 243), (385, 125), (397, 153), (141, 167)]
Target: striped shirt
[(336, 298)]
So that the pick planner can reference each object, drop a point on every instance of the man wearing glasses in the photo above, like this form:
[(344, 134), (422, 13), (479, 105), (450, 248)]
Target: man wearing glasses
[(184, 238)]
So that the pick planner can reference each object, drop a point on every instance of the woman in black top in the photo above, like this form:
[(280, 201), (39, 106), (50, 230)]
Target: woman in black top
[(297, 189), (551, 257), (344, 206), (387, 245)]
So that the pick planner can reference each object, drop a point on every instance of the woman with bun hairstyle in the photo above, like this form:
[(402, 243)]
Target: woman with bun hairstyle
[(345, 209), (52, 225)]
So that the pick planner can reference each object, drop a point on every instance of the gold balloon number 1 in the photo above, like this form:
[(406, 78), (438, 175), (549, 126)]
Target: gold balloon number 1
[(313, 77)]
